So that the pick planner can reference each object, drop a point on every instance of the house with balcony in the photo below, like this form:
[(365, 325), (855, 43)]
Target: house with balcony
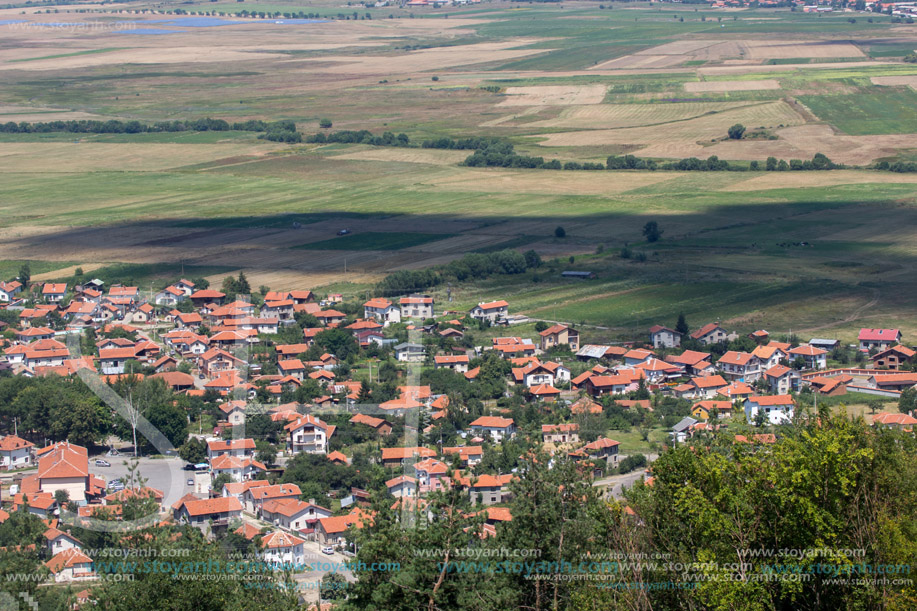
[(308, 434), (741, 366), (416, 306), (382, 310)]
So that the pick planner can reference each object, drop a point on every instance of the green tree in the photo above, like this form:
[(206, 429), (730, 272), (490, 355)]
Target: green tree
[(907, 402), (325, 123), (25, 274), (560, 232), (682, 325), (193, 451), (736, 132), (652, 232)]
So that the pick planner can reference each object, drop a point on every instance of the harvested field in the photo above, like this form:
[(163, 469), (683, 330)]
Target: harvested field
[(707, 127), (614, 116), (799, 142), (66, 271), (425, 59), (429, 156), (550, 95), (560, 183), (58, 157), (642, 61), (745, 68), (909, 80), (801, 180), (718, 86), (788, 49)]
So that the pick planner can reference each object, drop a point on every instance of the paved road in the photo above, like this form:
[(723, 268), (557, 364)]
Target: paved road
[(163, 474), (617, 483)]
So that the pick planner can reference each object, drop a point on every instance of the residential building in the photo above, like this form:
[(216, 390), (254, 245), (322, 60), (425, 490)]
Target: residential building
[(382, 310), (497, 427), (410, 353), (458, 362), (308, 434), (814, 358), (782, 380), (559, 335), (416, 306), (663, 337), (560, 433), (219, 511), (893, 358), (777, 409), (879, 339), (711, 333), (15, 452), (491, 312), (280, 548), (741, 366)]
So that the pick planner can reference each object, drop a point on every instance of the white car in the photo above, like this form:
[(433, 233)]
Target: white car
[(328, 550)]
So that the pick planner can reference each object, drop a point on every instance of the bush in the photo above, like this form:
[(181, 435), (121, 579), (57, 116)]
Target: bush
[(632, 463), (560, 232), (325, 123)]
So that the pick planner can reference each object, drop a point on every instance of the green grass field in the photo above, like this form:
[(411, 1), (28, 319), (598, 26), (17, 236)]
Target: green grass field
[(885, 110)]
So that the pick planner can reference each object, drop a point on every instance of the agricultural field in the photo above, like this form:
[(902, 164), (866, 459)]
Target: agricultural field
[(572, 82)]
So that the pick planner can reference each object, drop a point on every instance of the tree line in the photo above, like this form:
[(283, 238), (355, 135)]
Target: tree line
[(115, 126), (472, 266)]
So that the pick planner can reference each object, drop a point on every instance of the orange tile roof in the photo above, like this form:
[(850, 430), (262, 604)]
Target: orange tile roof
[(493, 422), (66, 559), (204, 507)]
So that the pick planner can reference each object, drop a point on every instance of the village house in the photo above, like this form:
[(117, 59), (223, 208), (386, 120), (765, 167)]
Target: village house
[(559, 335), (238, 469), (770, 355), (58, 541), (403, 485), (468, 455), (814, 358), (663, 337), (53, 292), (741, 366), (215, 512), (9, 291), (560, 433), (169, 296), (777, 409), (782, 380), (711, 410), (893, 358), (308, 434), (381, 310), (892, 381), (430, 473), (381, 427), (488, 489), (708, 387), (490, 312), (397, 457), (458, 362), (498, 428), (254, 498), (293, 513), (15, 452), (878, 339), (408, 352), (901, 422), (70, 565), (711, 333), (240, 448), (602, 448), (279, 548), (693, 362), (416, 306)]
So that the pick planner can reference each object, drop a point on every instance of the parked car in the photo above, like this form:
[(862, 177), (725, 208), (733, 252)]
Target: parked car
[(343, 232), (189, 467), (328, 550), (102, 463), (190, 482)]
